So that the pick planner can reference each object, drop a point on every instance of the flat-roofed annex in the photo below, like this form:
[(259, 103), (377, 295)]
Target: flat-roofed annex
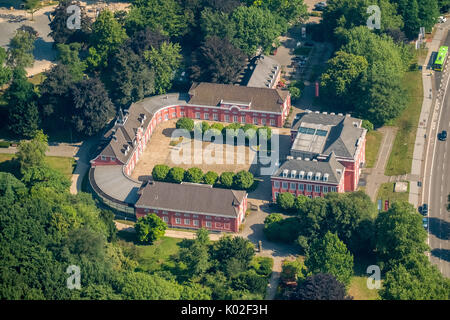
[(311, 137)]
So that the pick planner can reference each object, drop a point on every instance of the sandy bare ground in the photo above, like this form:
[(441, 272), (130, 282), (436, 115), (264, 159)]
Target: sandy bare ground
[(159, 151)]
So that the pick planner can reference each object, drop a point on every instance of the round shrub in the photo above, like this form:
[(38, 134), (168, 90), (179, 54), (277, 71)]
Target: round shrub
[(185, 123), (210, 178), (243, 180), (176, 175), (159, 172), (226, 179), (366, 124), (194, 175), (286, 201)]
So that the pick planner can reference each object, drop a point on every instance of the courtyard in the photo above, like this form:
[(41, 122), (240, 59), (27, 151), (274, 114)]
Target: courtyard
[(162, 149)]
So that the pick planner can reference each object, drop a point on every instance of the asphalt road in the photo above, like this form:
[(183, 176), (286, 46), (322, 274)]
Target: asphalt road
[(438, 167)]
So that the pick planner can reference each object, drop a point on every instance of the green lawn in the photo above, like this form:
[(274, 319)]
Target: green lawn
[(150, 257), (400, 159), (373, 142), (62, 164), (386, 192), (359, 291)]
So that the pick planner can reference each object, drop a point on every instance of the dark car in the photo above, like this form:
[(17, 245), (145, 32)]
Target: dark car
[(443, 135), (424, 210)]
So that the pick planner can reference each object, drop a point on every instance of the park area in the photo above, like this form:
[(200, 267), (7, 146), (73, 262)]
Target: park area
[(64, 165), (162, 149)]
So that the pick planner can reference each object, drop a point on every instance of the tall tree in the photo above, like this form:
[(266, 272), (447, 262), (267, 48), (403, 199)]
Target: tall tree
[(150, 228), (255, 28), (32, 153), (5, 71), (91, 107), (60, 32), (165, 16), (164, 62), (321, 286), (32, 6), (399, 234), (107, 35), (68, 55), (340, 80), (130, 78), (415, 279), (330, 255), (21, 46), (217, 60), (56, 97), (23, 114)]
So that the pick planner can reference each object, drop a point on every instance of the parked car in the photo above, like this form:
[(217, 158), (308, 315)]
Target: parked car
[(442, 19), (425, 223), (443, 135), (424, 209)]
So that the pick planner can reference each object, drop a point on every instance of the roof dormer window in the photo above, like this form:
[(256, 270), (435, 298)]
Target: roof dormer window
[(325, 177), (285, 173), (309, 177), (293, 173)]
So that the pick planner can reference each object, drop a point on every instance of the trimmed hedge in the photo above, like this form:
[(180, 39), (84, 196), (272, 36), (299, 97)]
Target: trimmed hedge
[(243, 180)]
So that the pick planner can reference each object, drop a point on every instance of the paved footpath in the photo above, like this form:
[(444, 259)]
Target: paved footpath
[(376, 177)]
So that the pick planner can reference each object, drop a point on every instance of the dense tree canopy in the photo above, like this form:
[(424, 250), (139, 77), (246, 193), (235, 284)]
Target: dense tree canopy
[(217, 60), (92, 108), (330, 255), (321, 286), (21, 98), (150, 228), (21, 46)]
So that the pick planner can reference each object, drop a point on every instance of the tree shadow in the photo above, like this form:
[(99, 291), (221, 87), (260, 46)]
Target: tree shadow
[(443, 254), (439, 228), (44, 50)]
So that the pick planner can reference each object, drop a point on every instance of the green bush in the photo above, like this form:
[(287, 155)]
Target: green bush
[(159, 172), (210, 177), (263, 266), (226, 179), (243, 180), (176, 175), (185, 123), (194, 175), (149, 228), (366, 124), (286, 230), (286, 201), (4, 144)]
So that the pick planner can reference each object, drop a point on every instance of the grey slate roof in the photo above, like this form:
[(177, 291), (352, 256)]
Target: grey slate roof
[(202, 199), (114, 184), (262, 99), (264, 68), (329, 166), (342, 136)]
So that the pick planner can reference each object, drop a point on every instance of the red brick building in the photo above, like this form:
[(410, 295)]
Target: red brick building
[(122, 146), (326, 155), (215, 209)]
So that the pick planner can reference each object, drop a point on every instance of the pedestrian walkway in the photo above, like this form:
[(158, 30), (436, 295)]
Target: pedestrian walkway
[(376, 176)]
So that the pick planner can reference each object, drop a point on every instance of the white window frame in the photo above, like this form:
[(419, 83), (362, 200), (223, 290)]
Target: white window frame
[(215, 116), (317, 189), (272, 122), (309, 187), (195, 223), (293, 186), (284, 185), (301, 187), (235, 118), (243, 119), (177, 220), (187, 221), (197, 115), (255, 121), (276, 184), (206, 116), (208, 224)]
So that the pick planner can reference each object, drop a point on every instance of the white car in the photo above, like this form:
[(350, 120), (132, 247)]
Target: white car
[(442, 19)]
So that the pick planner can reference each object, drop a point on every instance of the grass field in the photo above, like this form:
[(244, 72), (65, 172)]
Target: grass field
[(386, 192), (400, 159), (62, 164), (373, 142), (359, 290)]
